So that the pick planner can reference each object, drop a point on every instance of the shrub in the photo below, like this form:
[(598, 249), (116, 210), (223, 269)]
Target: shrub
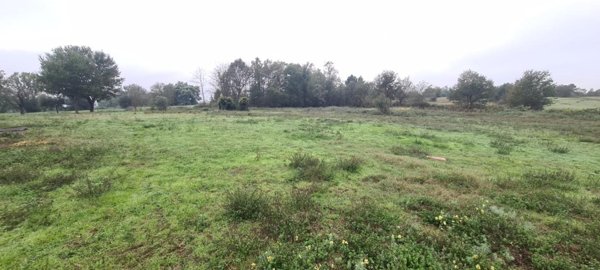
[(161, 103), (246, 204), (243, 104), (92, 187), (300, 159), (17, 174), (310, 168), (226, 103), (559, 179), (560, 149), (317, 173), (502, 147), (383, 104), (351, 164)]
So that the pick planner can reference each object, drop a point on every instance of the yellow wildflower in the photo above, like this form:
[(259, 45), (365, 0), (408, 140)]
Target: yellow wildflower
[(269, 258), (478, 267)]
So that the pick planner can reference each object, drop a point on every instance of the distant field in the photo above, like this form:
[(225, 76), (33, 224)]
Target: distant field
[(575, 103), (329, 188)]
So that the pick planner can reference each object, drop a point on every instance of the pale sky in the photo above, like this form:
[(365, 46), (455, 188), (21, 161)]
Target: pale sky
[(434, 41)]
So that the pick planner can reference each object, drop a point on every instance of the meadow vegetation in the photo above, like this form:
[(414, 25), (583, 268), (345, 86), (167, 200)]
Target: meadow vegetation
[(312, 188)]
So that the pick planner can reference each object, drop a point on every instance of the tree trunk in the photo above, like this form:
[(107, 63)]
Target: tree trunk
[(91, 101), (56, 107), (75, 104), (22, 109)]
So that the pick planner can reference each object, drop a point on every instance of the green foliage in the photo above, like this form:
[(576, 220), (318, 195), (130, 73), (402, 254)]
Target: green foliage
[(559, 149), (78, 72), (243, 104), (161, 103), (383, 104), (351, 164), (226, 103), (246, 204), (17, 174), (532, 90), (92, 186), (310, 168), (472, 89)]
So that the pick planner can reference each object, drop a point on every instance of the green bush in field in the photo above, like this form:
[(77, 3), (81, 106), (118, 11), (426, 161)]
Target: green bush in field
[(226, 103), (383, 104), (243, 104), (17, 174), (310, 168), (246, 204), (351, 164), (92, 186), (161, 103)]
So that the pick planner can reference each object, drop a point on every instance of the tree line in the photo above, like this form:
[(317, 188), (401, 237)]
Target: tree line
[(78, 77)]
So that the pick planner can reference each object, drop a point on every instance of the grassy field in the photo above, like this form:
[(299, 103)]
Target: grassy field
[(331, 188), (574, 103)]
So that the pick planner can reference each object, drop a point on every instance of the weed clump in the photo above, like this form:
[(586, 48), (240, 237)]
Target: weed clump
[(351, 164), (17, 174), (560, 179), (310, 168), (246, 204), (92, 187), (559, 149)]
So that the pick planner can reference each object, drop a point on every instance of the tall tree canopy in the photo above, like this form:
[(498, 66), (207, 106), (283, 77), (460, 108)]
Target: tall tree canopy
[(21, 91), (390, 85), (472, 89), (532, 90), (77, 72)]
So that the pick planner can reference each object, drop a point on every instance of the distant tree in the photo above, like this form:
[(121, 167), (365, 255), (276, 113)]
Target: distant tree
[(235, 81), (593, 93), (432, 93), (356, 91), (50, 102), (78, 72), (500, 93), (161, 103), (125, 101), (186, 94), (570, 90), (532, 90), (199, 79), (136, 96), (21, 91), (243, 104), (4, 104), (472, 89), (390, 85)]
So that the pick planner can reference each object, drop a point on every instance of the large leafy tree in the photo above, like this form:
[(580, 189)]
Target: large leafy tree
[(532, 90), (135, 95), (21, 91), (234, 81), (77, 72), (472, 89), (391, 86)]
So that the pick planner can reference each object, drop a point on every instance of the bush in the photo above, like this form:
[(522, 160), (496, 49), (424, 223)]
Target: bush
[(300, 159), (161, 103), (243, 104), (383, 104), (17, 174), (351, 164), (246, 204), (502, 147), (560, 149), (226, 103)]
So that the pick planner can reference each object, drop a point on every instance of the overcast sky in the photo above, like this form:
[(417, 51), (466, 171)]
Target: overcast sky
[(432, 41)]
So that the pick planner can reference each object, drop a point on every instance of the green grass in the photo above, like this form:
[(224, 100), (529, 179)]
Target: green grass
[(574, 103), (332, 188)]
